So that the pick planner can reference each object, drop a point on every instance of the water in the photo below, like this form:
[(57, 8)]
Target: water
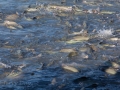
[(41, 37)]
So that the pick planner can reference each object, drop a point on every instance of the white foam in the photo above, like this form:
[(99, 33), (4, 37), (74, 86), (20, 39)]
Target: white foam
[(5, 65)]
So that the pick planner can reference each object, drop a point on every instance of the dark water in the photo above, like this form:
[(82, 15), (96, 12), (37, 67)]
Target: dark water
[(36, 46)]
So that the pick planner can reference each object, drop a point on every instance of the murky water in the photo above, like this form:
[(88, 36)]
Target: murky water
[(57, 45)]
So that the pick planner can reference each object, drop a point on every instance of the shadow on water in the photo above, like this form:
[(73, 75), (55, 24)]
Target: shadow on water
[(59, 45)]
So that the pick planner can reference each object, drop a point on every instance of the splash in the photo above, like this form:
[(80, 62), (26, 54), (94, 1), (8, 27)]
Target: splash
[(105, 33)]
